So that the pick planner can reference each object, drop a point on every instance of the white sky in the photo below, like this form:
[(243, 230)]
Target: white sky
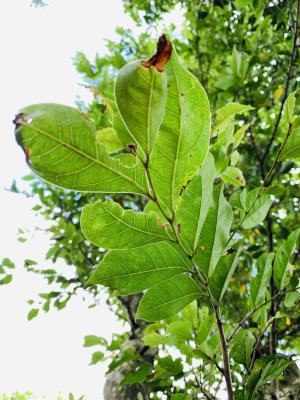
[(37, 44)]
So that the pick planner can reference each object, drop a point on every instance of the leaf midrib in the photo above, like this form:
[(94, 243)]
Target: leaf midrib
[(178, 141), (143, 272), (87, 156)]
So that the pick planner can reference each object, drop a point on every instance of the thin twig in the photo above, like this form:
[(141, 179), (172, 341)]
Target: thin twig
[(249, 314), (287, 83)]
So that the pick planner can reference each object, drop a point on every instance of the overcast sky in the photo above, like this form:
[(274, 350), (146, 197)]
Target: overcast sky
[(37, 45)]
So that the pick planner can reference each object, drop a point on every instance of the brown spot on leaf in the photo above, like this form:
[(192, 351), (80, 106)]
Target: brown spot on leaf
[(202, 247), (162, 55)]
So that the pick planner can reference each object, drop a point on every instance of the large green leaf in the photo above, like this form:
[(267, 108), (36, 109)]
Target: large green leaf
[(60, 146), (194, 205), (131, 271), (214, 233), (282, 264), (259, 284), (182, 142), (108, 225), (167, 298), (221, 275), (141, 95)]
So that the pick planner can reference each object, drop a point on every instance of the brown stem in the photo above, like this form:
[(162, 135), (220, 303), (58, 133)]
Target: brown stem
[(227, 373)]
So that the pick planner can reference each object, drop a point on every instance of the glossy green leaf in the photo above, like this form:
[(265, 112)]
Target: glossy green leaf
[(234, 176), (141, 95), (60, 146), (182, 142), (108, 225), (291, 149), (194, 205), (165, 299), (109, 138), (260, 283), (242, 347), (131, 271), (214, 233), (282, 265), (222, 274)]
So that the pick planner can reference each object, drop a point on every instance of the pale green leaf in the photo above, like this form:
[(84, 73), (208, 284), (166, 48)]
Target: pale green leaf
[(282, 265), (60, 146), (214, 233), (180, 330), (292, 298), (154, 339), (222, 274), (257, 208), (141, 95), (205, 325), (289, 107), (239, 135), (131, 271), (225, 114), (291, 149), (182, 142), (194, 205), (234, 176), (92, 340), (260, 283), (106, 224), (190, 313), (97, 356), (165, 299), (109, 138)]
